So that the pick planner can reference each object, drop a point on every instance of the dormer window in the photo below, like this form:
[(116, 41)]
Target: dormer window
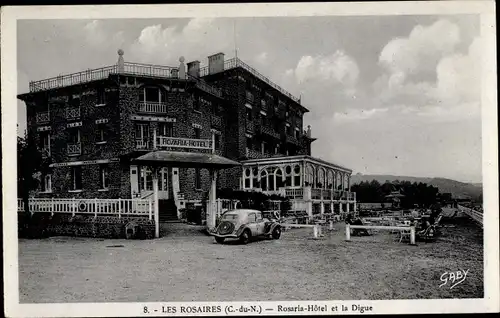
[(152, 95)]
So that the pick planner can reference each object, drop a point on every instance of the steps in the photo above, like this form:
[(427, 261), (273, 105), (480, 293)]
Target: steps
[(167, 211)]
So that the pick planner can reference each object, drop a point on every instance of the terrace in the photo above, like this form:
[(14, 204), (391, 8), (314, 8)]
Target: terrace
[(236, 62), (136, 69)]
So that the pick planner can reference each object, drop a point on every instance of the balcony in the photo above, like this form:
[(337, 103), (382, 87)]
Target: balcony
[(141, 144), (152, 107), (45, 152), (294, 193), (42, 117), (249, 126), (216, 121), (291, 139), (72, 113), (265, 130), (74, 149), (253, 154)]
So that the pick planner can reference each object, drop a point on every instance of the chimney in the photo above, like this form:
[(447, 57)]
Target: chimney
[(182, 68), (121, 63), (216, 63), (194, 68)]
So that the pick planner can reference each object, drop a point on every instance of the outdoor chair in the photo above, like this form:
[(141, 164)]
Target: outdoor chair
[(406, 233)]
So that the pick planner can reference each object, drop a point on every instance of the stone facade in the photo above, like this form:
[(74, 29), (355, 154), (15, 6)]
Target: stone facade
[(44, 225), (112, 103)]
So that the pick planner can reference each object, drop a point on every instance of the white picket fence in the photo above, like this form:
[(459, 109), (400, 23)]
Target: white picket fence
[(115, 207)]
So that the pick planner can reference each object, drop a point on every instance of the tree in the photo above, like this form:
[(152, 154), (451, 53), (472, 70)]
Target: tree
[(29, 164)]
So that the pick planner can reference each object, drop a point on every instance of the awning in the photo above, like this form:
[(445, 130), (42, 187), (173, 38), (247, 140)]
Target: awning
[(185, 160)]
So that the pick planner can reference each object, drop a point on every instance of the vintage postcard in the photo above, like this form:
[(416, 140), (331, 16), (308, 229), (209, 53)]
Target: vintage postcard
[(250, 159)]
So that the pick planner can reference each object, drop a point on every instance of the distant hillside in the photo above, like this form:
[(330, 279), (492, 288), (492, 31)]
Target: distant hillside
[(458, 189)]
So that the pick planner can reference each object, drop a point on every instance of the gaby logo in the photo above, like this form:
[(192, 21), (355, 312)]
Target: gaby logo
[(454, 278)]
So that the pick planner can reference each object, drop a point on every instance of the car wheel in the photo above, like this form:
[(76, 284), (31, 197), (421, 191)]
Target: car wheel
[(245, 237), (219, 240), (276, 233)]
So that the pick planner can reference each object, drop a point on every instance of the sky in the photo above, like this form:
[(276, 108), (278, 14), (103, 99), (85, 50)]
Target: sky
[(396, 95)]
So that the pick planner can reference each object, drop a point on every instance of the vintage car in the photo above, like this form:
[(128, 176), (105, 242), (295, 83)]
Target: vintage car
[(245, 224)]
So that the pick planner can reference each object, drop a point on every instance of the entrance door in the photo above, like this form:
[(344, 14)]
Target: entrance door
[(146, 183)]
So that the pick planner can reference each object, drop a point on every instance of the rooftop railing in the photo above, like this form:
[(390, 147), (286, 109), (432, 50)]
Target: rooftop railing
[(236, 62), (104, 72)]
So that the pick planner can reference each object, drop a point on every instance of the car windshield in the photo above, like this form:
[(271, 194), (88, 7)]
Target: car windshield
[(230, 216)]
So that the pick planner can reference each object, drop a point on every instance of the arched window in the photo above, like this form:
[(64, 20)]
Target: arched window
[(320, 179), (246, 178), (329, 178), (288, 176), (152, 94), (297, 176), (309, 175), (278, 174), (339, 180), (346, 182), (264, 180), (255, 178), (271, 180)]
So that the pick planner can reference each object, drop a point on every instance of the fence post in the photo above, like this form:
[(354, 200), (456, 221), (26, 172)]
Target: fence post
[(347, 232), (52, 206), (150, 209), (315, 231), (119, 208), (412, 235), (73, 207), (330, 227), (95, 207)]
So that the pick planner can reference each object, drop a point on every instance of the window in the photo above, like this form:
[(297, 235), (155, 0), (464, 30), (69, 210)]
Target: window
[(152, 95), (249, 142), (216, 141), (263, 105), (45, 142), (215, 109), (249, 96), (197, 179), (197, 133), (297, 134), (258, 216), (252, 218), (75, 100), (101, 96), (74, 136), (76, 178), (104, 177), (101, 133), (165, 129), (197, 104), (47, 183), (289, 130), (249, 114)]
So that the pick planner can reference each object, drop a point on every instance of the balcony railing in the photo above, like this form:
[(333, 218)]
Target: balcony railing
[(249, 126), (265, 130), (216, 121), (43, 117), (45, 152), (73, 113), (253, 154), (291, 139), (295, 193), (141, 144), (74, 149), (236, 62), (152, 107)]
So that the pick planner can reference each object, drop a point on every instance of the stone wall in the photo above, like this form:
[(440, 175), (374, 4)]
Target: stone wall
[(44, 225)]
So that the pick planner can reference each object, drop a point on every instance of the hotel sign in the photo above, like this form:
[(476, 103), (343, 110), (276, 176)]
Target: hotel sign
[(184, 143)]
